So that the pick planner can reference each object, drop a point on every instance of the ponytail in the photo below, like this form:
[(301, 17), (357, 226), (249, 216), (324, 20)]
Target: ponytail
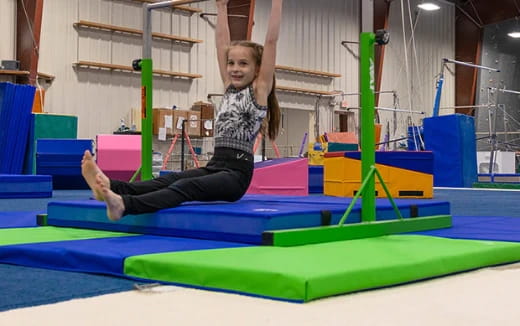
[(273, 113)]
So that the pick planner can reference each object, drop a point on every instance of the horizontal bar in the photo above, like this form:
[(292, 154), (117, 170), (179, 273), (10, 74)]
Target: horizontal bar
[(164, 4), (341, 93), (503, 90), (213, 14), (470, 65), (384, 109), (349, 42), (304, 236), (463, 107)]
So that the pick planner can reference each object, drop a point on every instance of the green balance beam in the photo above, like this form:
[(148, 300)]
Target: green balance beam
[(304, 236)]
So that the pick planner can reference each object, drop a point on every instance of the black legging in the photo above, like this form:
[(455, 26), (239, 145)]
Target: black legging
[(226, 177)]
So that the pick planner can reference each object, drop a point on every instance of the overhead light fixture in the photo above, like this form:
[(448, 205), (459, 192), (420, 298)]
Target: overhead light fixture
[(428, 6), (514, 34)]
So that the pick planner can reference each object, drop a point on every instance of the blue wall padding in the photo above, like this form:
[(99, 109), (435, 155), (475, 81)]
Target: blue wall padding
[(15, 112), (104, 255), (480, 228), (61, 158), (451, 138), (315, 179), (25, 186), (409, 160), (242, 221)]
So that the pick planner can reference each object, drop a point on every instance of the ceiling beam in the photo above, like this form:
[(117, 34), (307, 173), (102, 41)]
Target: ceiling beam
[(28, 28), (241, 19)]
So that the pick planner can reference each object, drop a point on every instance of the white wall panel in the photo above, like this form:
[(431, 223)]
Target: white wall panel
[(100, 98), (7, 29), (412, 73), (311, 36)]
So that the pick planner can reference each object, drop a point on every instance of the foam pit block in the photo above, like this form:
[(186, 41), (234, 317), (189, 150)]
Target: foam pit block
[(119, 156), (61, 158), (285, 176)]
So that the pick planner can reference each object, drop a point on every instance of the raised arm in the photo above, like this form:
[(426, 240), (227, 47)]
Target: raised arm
[(222, 38), (266, 73)]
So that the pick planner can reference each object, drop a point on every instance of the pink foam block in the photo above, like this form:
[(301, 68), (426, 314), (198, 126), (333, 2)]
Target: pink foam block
[(119, 156), (285, 176)]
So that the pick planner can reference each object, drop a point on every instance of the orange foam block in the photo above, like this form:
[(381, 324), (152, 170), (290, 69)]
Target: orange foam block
[(283, 176)]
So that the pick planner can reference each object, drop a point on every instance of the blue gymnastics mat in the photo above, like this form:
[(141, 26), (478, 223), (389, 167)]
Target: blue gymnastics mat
[(242, 221), (493, 228), (25, 186), (18, 219), (87, 250)]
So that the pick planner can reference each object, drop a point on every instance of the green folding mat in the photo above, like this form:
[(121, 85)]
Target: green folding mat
[(50, 233), (314, 271)]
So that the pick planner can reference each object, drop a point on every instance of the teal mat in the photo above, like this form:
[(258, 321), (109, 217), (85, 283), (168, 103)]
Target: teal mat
[(315, 271)]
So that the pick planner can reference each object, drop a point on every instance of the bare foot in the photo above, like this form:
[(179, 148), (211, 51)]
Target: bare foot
[(90, 170), (115, 204)]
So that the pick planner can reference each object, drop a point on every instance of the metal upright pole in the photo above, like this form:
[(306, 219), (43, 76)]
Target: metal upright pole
[(146, 68)]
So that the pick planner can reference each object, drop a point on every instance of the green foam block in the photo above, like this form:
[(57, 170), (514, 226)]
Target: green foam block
[(304, 273), (50, 233)]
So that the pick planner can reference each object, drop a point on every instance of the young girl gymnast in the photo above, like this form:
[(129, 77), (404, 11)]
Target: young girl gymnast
[(249, 105)]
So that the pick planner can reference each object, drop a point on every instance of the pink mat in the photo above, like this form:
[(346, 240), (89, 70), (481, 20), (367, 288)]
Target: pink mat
[(119, 156), (285, 176)]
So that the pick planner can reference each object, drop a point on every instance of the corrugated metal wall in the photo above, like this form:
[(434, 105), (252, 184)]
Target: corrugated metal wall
[(7, 29), (311, 36), (501, 52), (310, 39)]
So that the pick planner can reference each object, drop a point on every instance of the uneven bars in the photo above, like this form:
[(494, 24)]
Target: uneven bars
[(470, 65)]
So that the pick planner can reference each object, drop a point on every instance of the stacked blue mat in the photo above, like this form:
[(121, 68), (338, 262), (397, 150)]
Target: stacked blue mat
[(15, 114)]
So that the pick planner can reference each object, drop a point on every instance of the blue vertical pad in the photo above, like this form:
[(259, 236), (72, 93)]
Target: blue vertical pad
[(15, 111), (451, 138)]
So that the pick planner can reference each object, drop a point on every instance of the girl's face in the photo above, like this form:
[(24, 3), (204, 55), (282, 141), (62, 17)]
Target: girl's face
[(241, 66)]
